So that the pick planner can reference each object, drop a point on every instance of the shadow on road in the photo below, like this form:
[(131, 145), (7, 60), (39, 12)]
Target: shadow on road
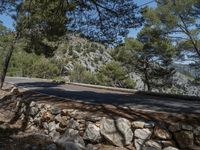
[(138, 100)]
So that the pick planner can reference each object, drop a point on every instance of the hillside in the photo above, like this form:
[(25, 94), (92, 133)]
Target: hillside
[(78, 50), (79, 60)]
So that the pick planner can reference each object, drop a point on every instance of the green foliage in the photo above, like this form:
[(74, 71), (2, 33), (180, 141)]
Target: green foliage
[(41, 23), (30, 65), (196, 80), (80, 74), (113, 74), (58, 80), (179, 20), (150, 55)]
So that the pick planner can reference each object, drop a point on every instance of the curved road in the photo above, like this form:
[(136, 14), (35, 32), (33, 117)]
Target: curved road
[(92, 95)]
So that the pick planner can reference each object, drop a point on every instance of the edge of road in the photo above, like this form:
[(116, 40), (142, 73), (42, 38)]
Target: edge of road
[(128, 91)]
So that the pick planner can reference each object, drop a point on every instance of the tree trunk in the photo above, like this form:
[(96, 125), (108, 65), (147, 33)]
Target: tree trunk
[(146, 66), (6, 62), (147, 82)]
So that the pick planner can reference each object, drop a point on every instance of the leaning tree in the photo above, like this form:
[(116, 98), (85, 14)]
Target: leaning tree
[(42, 23)]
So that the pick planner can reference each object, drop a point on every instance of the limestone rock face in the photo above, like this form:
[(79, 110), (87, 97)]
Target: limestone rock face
[(92, 133), (161, 133), (118, 131), (184, 139)]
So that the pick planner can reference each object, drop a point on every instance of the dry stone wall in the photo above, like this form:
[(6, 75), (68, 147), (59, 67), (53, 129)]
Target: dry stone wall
[(74, 130)]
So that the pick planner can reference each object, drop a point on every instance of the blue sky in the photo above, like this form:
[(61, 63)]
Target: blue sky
[(7, 21)]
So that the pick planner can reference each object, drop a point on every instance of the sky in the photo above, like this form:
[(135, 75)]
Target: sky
[(7, 21)]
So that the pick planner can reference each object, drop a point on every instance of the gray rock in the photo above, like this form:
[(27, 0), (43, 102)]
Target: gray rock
[(52, 126), (36, 120), (71, 146), (185, 139), (118, 131), (138, 143), (51, 147), (197, 140), (90, 147), (161, 133), (92, 133), (143, 133), (64, 112), (175, 128), (143, 124), (186, 127), (170, 148), (62, 120), (197, 131), (153, 144), (71, 136), (58, 118), (150, 148), (73, 124), (138, 124), (32, 104), (124, 126), (167, 143), (93, 118), (54, 135), (34, 147), (45, 125), (55, 110), (27, 146)]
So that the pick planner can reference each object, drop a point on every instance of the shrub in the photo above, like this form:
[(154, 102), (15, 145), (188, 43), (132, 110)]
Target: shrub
[(80, 74), (114, 74)]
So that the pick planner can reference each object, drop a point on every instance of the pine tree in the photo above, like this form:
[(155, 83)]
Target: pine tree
[(179, 19), (150, 55)]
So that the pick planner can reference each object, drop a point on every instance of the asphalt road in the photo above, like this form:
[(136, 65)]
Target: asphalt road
[(100, 96)]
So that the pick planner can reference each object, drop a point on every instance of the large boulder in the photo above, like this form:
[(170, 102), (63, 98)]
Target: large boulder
[(92, 133), (117, 131)]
